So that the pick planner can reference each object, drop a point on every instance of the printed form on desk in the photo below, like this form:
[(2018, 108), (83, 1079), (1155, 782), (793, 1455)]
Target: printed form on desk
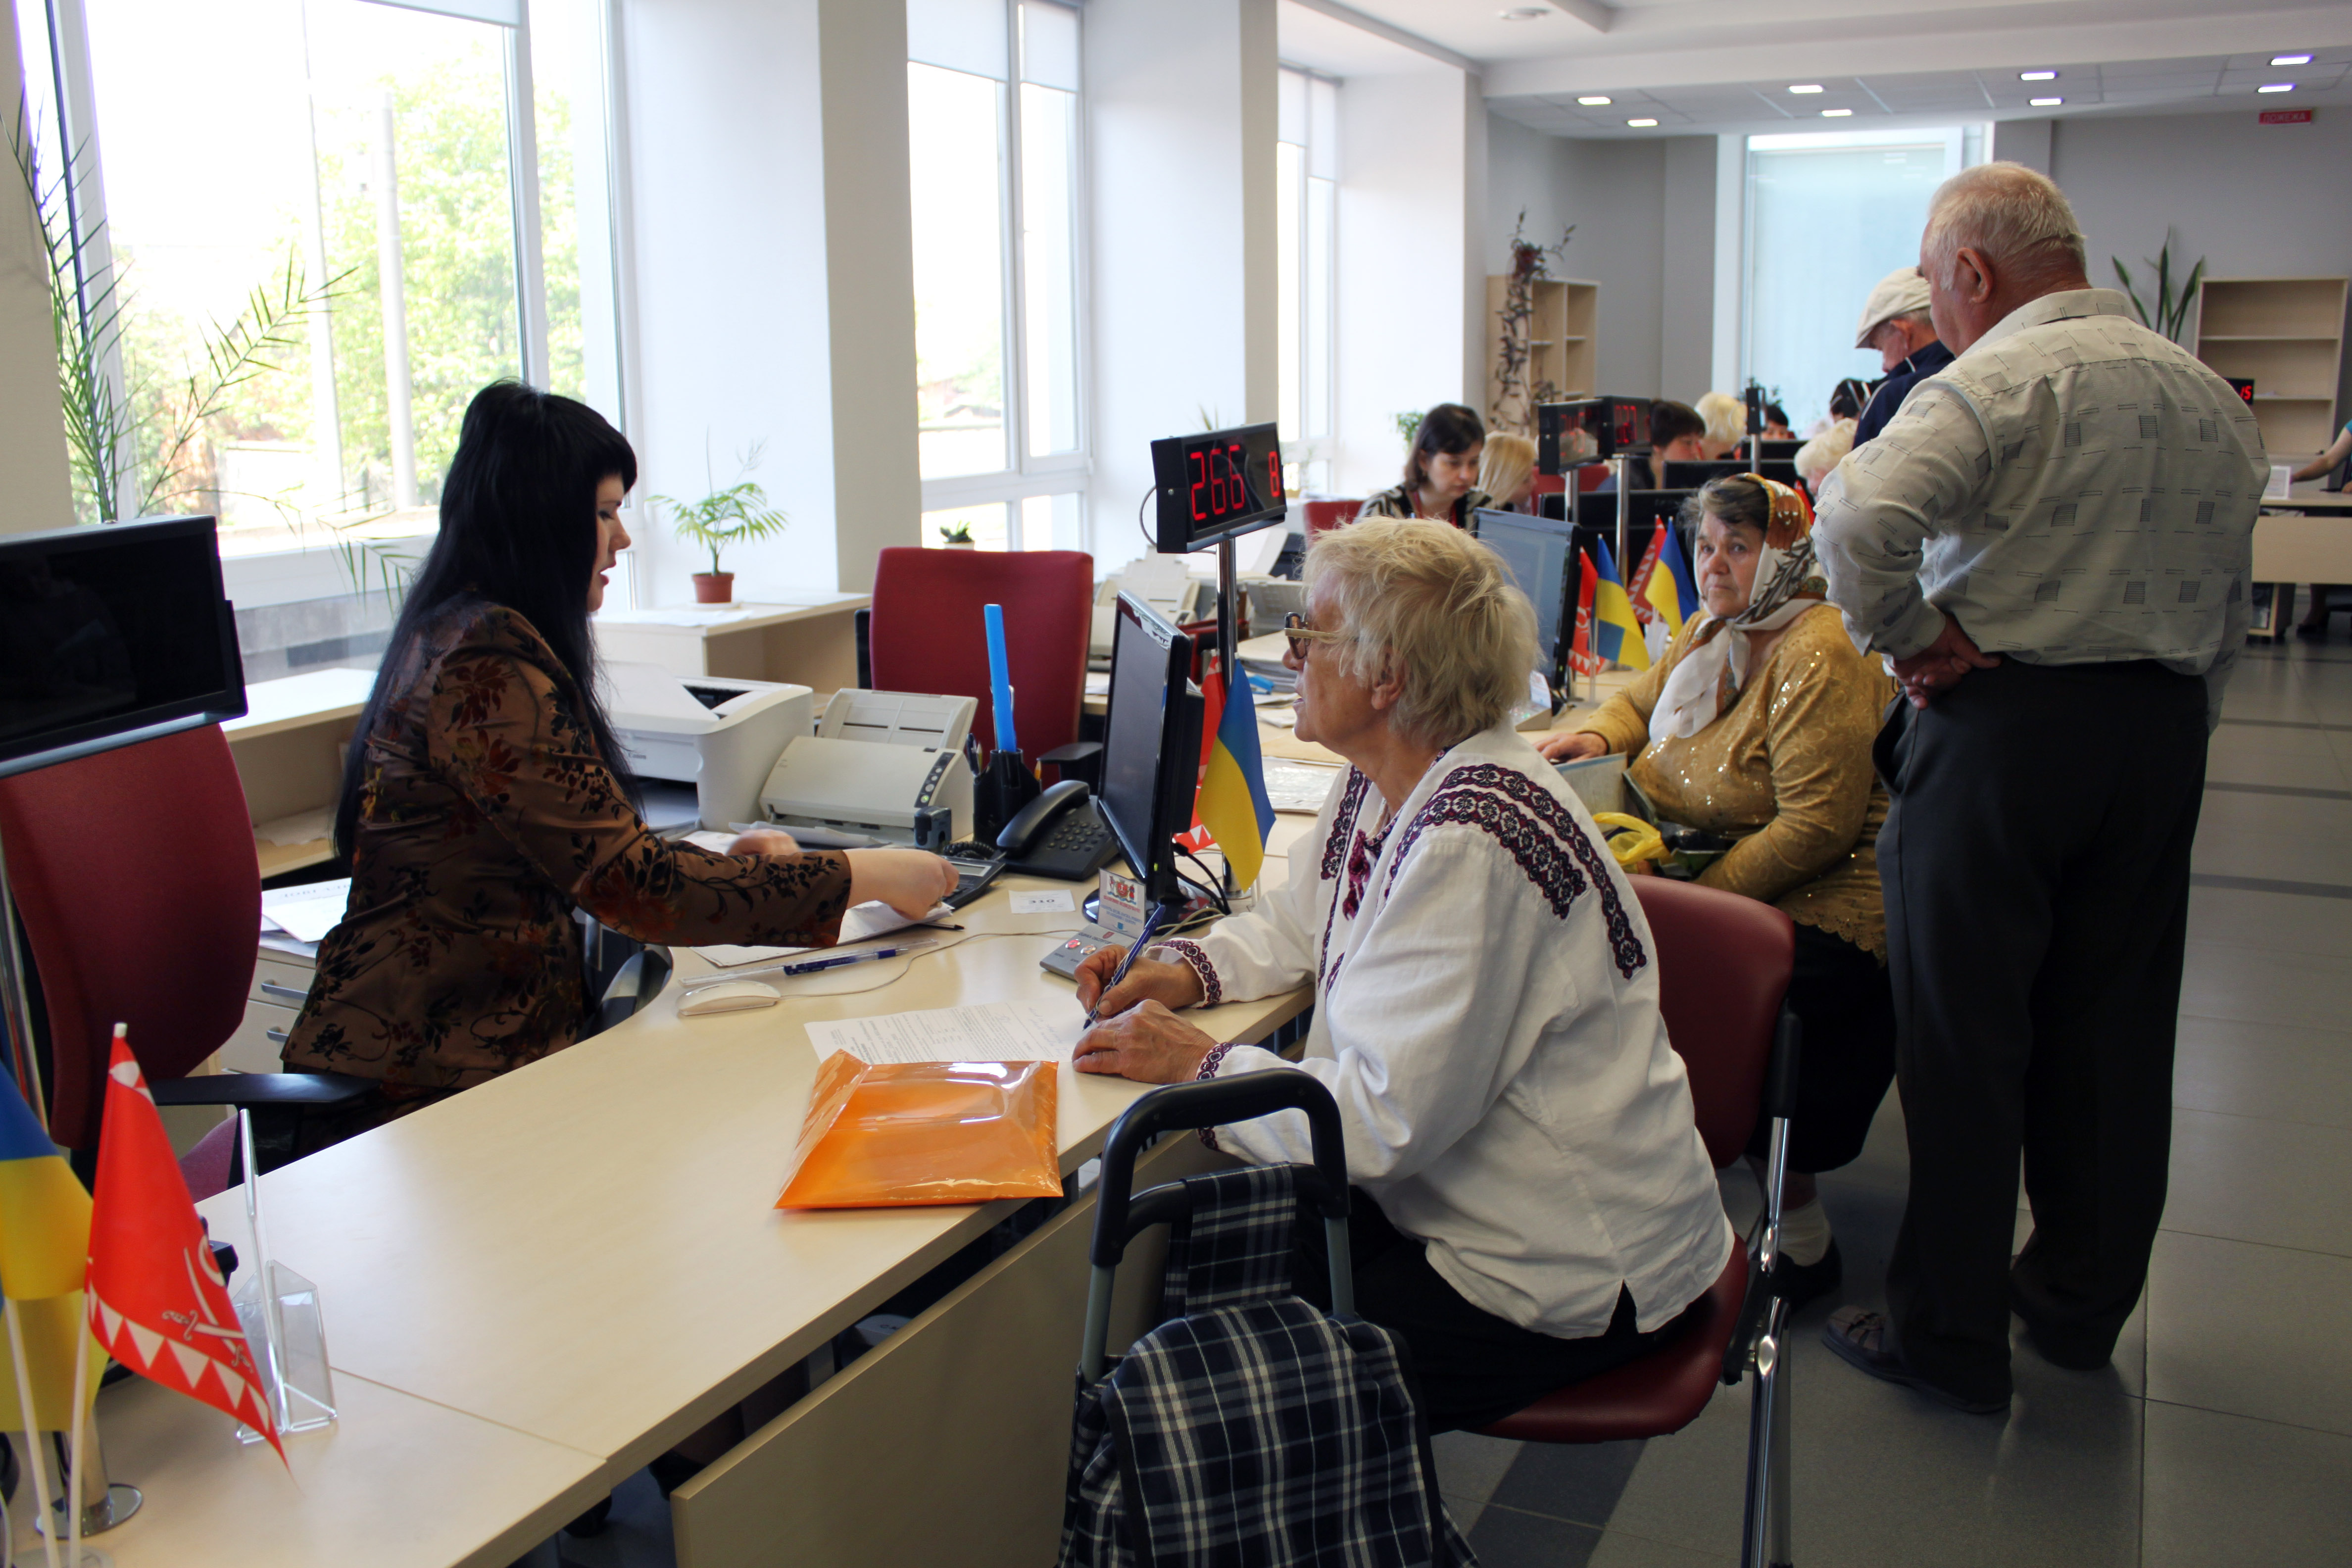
[(1039, 1031)]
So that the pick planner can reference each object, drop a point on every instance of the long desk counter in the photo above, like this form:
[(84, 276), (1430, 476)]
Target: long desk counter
[(536, 1286)]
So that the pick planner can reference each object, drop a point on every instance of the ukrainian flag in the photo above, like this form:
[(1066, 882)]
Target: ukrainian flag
[(1232, 804), (1673, 592), (1616, 634), (44, 1256)]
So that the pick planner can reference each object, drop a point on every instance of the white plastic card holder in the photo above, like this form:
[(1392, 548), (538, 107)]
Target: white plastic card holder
[(283, 1323)]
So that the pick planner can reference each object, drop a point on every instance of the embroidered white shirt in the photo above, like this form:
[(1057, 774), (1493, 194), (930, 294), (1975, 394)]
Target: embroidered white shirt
[(1486, 1017), (2073, 488)]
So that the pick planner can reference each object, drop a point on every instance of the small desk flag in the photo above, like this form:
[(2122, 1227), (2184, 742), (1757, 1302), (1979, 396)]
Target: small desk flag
[(44, 1250), (1232, 804), (1616, 631), (157, 1301), (1580, 657)]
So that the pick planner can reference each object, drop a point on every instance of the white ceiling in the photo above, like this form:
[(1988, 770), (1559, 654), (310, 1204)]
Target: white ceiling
[(1708, 66)]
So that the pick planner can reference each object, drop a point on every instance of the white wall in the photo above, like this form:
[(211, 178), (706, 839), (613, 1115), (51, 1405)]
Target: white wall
[(1180, 104), (32, 420), (1411, 292), (774, 295)]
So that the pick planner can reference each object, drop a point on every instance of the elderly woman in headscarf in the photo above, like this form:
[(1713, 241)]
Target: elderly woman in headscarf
[(1757, 728)]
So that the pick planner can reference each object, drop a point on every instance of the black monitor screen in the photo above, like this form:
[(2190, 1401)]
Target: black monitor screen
[(1540, 555), (1151, 744), (109, 636), (1690, 476)]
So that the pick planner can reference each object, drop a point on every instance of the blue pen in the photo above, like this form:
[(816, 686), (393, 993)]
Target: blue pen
[(844, 960), (1000, 677)]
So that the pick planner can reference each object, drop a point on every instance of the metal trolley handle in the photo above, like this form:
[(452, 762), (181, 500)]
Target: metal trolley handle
[(1121, 1215)]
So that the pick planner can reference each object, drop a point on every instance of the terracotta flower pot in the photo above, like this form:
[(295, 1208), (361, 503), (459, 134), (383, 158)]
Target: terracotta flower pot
[(714, 587)]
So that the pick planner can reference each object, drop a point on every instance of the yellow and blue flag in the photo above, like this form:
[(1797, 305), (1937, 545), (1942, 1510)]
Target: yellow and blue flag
[(1232, 804), (43, 1255), (1672, 593), (1616, 632)]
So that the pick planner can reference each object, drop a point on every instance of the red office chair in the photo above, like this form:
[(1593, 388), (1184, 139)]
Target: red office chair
[(1325, 515), (133, 871), (1723, 970), (925, 634), (1590, 477)]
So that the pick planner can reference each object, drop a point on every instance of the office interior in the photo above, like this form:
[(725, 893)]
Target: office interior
[(1205, 214)]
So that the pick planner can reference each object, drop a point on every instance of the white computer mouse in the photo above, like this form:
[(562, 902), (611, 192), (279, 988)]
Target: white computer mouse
[(726, 996)]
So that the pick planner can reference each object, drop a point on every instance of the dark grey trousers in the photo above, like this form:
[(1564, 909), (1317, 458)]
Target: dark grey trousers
[(2035, 864)]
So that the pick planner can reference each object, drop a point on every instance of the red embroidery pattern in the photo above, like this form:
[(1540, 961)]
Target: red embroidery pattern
[(1542, 837), (1361, 861), (1212, 990), (1343, 823)]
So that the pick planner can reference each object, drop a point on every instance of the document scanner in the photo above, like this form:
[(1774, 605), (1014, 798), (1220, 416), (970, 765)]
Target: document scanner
[(717, 736), (885, 765)]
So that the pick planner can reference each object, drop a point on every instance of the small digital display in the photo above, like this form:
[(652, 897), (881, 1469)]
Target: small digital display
[(2242, 384), (1217, 485)]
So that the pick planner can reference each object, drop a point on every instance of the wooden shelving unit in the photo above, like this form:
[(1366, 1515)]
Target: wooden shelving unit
[(1561, 349), (2287, 334)]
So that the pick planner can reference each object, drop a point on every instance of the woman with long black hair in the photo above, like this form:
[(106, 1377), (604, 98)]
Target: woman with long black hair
[(484, 798)]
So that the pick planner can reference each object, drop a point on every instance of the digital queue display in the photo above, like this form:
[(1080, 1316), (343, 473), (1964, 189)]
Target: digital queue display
[(1217, 485)]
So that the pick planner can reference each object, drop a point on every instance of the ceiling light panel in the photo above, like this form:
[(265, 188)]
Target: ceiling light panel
[(2290, 59), (2037, 76), (1836, 114), (2276, 87), (1643, 124), (1805, 87), (1596, 100), (2045, 102)]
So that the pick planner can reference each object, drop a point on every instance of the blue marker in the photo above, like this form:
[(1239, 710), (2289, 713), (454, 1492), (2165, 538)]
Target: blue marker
[(1000, 677)]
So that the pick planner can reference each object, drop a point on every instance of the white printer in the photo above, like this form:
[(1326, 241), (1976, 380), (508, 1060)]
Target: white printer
[(883, 765), (718, 735)]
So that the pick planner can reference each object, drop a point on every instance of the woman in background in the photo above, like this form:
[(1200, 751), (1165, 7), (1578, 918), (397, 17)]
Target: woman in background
[(1441, 472), (1727, 424), (1507, 472), (483, 799), (2314, 620)]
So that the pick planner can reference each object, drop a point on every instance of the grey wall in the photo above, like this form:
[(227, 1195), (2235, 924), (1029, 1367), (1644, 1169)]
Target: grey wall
[(1644, 215)]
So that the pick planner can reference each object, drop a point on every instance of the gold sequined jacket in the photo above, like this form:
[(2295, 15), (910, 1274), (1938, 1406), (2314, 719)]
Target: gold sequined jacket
[(1785, 770)]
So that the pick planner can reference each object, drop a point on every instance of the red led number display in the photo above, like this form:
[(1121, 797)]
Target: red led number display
[(1219, 486)]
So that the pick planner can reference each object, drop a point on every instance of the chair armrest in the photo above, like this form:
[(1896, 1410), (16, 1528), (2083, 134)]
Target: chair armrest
[(261, 1088), (634, 984)]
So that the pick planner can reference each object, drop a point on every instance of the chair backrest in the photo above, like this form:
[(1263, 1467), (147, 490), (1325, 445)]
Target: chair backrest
[(927, 633), (1325, 515), (1723, 973), (135, 875)]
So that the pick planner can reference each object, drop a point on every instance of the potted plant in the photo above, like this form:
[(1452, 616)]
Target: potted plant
[(956, 536), (739, 512)]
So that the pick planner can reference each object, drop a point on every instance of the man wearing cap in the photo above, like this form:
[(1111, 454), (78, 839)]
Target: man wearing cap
[(1897, 323)]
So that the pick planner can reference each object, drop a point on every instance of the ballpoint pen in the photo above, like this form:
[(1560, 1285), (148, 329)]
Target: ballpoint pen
[(812, 965), (1152, 924)]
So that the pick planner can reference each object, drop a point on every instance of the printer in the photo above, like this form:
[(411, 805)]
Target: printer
[(715, 734), (882, 764)]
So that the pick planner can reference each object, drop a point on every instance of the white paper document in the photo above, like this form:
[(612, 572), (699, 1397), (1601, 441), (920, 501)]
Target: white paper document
[(1299, 788), (307, 913), (864, 922), (1043, 1031)]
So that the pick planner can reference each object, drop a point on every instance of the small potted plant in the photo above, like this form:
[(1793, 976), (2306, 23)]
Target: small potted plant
[(956, 536), (739, 512)]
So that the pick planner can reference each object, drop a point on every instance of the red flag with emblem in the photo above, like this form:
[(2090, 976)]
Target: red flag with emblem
[(157, 1301), (1580, 657)]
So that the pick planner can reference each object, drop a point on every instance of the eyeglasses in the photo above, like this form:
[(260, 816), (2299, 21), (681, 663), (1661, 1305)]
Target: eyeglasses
[(1303, 637)]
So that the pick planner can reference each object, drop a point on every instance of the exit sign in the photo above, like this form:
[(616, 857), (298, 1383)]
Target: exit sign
[(2286, 117)]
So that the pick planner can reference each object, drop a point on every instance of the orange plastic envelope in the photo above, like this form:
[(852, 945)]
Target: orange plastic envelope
[(925, 1132)]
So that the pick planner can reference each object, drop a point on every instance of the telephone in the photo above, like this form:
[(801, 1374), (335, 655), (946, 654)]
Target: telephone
[(1059, 834)]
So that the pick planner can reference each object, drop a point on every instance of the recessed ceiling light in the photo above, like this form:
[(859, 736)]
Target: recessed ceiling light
[(2277, 87), (1641, 124), (2045, 102), (1597, 100), (2290, 59), (1526, 13), (1806, 87), (2037, 76), (1835, 113)]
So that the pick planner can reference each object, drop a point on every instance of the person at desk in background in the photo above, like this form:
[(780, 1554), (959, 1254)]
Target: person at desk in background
[(2314, 620), (1727, 425), (1677, 435), (483, 798), (1507, 473), (1534, 1205), (1441, 472), (1756, 727), (1776, 424), (1896, 321)]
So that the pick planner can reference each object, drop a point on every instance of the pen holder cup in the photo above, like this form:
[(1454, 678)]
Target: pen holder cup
[(289, 1346), (1003, 787)]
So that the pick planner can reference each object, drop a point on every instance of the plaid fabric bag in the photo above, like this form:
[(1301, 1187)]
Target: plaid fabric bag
[(1251, 1428)]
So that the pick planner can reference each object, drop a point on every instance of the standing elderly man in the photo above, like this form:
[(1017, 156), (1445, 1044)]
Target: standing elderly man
[(2052, 541), (1899, 325)]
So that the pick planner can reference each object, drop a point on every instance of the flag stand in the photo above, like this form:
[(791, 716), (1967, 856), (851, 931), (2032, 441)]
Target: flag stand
[(279, 1310)]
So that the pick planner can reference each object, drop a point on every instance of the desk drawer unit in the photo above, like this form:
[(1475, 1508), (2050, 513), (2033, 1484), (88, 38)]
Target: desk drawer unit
[(275, 998)]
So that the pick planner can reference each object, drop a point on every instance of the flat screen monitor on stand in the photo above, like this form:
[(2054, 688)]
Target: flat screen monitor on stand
[(1151, 747), (1540, 554)]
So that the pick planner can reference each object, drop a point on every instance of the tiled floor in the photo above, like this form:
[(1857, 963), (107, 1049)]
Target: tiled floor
[(2223, 1432), (2222, 1435)]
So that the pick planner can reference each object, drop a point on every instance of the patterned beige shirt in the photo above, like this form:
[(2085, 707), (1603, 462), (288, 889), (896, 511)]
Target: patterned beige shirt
[(2073, 490)]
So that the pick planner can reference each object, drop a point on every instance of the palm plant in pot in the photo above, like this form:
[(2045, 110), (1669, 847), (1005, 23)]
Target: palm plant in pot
[(738, 513)]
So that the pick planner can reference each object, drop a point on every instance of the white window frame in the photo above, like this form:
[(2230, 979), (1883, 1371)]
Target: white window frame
[(1058, 473), (1323, 449)]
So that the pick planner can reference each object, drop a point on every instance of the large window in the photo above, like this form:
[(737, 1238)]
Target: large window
[(303, 233), (992, 124), (1828, 217), (1306, 200)]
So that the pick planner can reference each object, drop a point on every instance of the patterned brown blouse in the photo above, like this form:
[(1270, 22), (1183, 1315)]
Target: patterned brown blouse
[(487, 814)]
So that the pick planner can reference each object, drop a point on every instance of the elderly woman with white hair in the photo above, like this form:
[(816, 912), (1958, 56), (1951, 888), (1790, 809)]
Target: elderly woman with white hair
[(1536, 1205), (1727, 424)]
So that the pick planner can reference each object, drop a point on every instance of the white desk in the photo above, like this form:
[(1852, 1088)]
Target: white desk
[(288, 753), (546, 1281), (811, 641)]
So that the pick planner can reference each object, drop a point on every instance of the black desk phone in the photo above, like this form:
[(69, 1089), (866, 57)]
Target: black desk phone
[(1059, 834)]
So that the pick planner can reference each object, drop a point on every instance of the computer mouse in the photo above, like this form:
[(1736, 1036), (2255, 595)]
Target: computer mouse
[(726, 996)]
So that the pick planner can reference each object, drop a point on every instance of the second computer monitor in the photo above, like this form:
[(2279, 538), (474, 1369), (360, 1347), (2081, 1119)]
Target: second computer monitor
[(1152, 744), (1540, 554)]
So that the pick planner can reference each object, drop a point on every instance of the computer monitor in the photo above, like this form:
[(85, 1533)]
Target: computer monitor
[(1689, 476), (1540, 554), (112, 635), (1152, 745), (1598, 508), (1780, 450)]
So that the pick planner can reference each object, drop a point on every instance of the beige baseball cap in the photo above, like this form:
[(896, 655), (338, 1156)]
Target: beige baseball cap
[(1899, 293)]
